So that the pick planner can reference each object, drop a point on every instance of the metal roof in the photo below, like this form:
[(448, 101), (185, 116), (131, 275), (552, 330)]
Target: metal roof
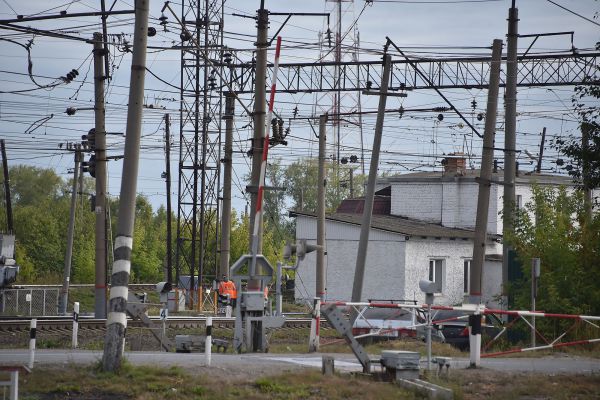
[(400, 225)]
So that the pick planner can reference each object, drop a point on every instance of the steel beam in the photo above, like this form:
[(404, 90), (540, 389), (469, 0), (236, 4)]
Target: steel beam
[(442, 73)]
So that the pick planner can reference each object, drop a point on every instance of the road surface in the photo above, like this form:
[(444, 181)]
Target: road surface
[(557, 364)]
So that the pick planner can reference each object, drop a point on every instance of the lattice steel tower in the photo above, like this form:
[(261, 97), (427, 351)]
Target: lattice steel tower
[(200, 140), (340, 44)]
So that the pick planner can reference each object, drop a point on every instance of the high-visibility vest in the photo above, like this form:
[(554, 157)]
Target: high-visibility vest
[(228, 288)]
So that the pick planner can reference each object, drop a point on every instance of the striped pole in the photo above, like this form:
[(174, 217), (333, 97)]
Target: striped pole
[(208, 341), (313, 343), (263, 165), (119, 292), (75, 324), (32, 333), (117, 320)]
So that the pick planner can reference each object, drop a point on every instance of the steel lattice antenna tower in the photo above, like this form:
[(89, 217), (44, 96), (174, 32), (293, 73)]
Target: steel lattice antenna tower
[(339, 44), (200, 139)]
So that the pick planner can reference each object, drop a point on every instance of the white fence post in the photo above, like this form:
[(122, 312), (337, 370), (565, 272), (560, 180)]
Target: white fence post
[(208, 341), (32, 333), (75, 323)]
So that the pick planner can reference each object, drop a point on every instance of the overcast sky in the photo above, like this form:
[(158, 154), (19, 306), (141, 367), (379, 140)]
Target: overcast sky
[(34, 123)]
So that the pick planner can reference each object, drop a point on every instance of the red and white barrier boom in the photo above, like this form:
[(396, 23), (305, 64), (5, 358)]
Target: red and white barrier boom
[(263, 165), (469, 309)]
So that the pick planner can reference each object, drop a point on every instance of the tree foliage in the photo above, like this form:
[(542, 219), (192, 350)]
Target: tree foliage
[(301, 185), (583, 162), (41, 206), (550, 228)]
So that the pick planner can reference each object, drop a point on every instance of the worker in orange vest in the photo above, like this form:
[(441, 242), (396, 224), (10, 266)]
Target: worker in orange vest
[(227, 290)]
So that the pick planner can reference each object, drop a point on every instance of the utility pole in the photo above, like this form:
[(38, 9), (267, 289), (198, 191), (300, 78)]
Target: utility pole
[(9, 214), (262, 42), (538, 168), (351, 182), (100, 151), (321, 183), (483, 202), (227, 169), (510, 141), (64, 291), (117, 317), (585, 170), (535, 275), (361, 258), (168, 183)]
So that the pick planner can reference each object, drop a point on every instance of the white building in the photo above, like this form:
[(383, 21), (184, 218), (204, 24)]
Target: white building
[(422, 228)]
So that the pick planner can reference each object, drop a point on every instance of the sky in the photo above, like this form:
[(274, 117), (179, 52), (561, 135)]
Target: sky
[(36, 127)]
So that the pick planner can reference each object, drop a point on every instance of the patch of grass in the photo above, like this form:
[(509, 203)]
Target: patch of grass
[(149, 383), (470, 385)]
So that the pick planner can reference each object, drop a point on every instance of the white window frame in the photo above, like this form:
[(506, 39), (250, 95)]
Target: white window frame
[(519, 201), (431, 275), (467, 275)]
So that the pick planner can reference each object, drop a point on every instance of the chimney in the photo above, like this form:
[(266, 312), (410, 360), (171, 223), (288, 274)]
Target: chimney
[(455, 164)]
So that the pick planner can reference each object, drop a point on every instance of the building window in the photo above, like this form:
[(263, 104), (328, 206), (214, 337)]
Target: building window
[(467, 276), (519, 202), (436, 274)]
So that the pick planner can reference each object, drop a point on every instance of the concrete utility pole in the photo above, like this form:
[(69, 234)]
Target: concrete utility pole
[(100, 206), (535, 274), (361, 258), (117, 317), (262, 42), (227, 169), (538, 167), (485, 179), (64, 291), (483, 202), (321, 184), (9, 215), (585, 170), (510, 138), (168, 183)]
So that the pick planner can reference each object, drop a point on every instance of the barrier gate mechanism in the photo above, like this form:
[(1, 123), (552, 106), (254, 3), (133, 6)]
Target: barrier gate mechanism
[(251, 318)]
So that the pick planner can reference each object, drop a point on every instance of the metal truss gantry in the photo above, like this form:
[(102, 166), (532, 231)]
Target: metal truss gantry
[(200, 140), (443, 73)]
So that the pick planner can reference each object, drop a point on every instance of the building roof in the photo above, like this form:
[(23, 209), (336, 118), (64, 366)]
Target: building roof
[(381, 205), (469, 175), (400, 225)]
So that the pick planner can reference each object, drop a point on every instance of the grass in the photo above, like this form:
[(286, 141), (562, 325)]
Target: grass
[(147, 383), (485, 384)]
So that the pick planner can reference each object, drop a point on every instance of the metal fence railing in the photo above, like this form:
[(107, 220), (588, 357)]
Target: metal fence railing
[(29, 302)]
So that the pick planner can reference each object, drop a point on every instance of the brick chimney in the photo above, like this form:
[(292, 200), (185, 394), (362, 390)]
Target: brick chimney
[(455, 164)]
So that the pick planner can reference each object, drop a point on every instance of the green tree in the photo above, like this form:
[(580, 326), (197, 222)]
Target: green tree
[(583, 161), (549, 228), (301, 183)]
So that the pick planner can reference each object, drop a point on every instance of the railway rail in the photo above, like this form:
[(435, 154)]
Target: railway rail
[(61, 324)]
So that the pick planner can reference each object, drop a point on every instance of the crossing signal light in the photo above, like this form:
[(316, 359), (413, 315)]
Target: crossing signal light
[(90, 139), (90, 166), (300, 249)]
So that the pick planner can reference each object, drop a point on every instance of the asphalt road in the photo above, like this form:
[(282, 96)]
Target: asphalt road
[(559, 364)]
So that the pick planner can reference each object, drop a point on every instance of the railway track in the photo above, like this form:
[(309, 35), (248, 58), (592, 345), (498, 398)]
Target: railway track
[(45, 324)]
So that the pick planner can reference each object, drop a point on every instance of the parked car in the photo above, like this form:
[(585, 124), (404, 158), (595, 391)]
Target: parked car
[(454, 329), (385, 323)]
